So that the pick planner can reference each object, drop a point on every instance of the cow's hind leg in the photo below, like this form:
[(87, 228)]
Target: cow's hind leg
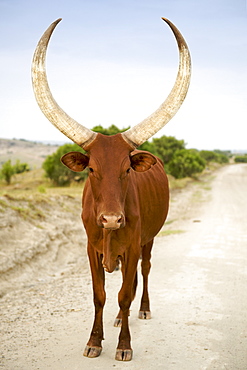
[(94, 346), (144, 312)]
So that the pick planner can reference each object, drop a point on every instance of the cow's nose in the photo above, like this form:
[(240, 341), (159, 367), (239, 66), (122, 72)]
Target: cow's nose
[(111, 221)]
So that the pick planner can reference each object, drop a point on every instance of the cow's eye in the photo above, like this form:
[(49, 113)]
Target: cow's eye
[(90, 169), (128, 170)]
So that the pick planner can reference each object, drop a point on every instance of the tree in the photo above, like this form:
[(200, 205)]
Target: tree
[(21, 167), (57, 172), (111, 130), (186, 163), (214, 156), (7, 171), (166, 147), (241, 158), (149, 146)]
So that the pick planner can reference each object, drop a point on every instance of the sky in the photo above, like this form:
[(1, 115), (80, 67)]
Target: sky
[(114, 62)]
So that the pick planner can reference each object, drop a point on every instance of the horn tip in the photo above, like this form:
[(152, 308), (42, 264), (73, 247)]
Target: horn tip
[(166, 20), (55, 23)]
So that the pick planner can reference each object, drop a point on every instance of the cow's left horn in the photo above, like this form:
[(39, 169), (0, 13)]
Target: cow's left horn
[(72, 129), (147, 128)]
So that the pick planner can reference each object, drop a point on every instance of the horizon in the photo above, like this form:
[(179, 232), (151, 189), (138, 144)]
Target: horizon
[(62, 142)]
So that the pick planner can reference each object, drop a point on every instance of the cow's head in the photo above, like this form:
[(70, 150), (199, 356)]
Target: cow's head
[(110, 160)]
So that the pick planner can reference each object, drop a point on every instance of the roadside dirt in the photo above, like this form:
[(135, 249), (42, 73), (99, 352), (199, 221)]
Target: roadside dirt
[(197, 284)]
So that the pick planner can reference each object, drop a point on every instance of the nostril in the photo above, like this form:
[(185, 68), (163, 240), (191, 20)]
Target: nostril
[(103, 219), (111, 221)]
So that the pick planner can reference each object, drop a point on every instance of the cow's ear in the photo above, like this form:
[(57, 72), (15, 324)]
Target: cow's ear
[(75, 161), (142, 161)]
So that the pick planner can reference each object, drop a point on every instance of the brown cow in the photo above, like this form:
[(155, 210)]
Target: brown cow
[(125, 199)]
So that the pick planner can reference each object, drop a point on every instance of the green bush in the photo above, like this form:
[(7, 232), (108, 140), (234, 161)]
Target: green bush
[(222, 158), (224, 154), (166, 147), (112, 130), (149, 147), (21, 167), (7, 170), (241, 159), (57, 172), (214, 156), (186, 163)]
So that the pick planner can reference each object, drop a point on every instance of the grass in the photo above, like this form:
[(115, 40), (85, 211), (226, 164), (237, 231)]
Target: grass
[(34, 183), (179, 183), (32, 188), (33, 197), (170, 232)]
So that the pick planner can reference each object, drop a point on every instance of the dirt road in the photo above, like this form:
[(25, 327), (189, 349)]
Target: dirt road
[(197, 288)]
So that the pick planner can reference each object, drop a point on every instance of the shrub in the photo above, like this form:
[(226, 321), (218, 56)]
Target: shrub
[(7, 171), (57, 172), (214, 156), (209, 156), (241, 159), (225, 155), (112, 130), (149, 147), (166, 147), (41, 189), (186, 163), (21, 167)]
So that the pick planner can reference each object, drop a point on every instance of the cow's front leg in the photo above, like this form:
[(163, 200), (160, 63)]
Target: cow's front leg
[(118, 320), (125, 297), (94, 346)]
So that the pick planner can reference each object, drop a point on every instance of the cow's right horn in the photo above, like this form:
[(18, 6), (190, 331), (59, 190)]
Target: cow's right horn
[(69, 127), (146, 129)]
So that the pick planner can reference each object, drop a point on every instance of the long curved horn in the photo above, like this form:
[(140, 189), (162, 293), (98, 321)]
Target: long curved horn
[(72, 129), (144, 130)]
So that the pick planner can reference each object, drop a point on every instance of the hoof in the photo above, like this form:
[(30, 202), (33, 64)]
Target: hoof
[(144, 315), (92, 351), (124, 354), (118, 323)]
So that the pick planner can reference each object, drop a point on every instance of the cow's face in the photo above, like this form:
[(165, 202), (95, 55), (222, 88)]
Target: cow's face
[(110, 164)]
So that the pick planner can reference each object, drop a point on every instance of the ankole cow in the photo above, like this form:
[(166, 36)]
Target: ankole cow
[(125, 199)]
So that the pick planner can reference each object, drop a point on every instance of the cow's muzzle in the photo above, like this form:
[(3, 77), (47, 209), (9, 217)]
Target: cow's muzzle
[(112, 222)]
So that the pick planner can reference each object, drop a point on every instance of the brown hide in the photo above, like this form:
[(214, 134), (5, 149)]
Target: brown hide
[(139, 198), (125, 203)]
